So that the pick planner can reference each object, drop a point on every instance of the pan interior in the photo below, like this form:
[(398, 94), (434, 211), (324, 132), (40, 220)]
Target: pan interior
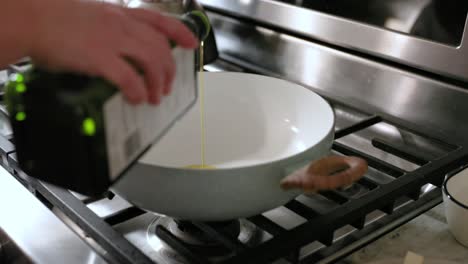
[(249, 120)]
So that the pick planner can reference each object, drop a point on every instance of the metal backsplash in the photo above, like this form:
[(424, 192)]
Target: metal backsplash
[(403, 48), (434, 106)]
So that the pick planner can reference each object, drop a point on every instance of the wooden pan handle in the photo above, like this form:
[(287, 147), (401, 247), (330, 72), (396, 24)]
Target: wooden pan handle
[(326, 174)]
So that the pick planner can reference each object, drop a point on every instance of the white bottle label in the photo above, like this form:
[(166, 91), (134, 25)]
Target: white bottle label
[(131, 129)]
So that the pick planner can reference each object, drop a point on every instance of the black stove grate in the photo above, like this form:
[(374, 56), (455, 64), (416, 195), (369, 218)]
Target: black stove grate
[(321, 227), (284, 243), (400, 199)]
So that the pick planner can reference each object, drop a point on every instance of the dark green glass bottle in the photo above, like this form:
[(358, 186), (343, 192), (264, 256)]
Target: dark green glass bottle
[(59, 124)]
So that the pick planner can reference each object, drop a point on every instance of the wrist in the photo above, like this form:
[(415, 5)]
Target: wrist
[(17, 18), (35, 16), (23, 16), (39, 21)]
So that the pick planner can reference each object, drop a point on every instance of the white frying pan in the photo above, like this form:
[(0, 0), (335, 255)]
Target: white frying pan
[(258, 131)]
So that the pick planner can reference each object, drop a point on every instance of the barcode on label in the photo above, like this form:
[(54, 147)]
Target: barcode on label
[(132, 145)]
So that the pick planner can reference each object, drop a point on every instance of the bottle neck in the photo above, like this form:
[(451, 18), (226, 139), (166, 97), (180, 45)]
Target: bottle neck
[(201, 22)]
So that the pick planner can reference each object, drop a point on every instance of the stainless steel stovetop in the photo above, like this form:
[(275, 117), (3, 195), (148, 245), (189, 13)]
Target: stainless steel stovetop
[(407, 121)]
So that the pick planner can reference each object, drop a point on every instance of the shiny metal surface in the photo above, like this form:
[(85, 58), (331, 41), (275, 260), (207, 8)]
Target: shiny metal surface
[(136, 231), (106, 207), (431, 56), (9, 251), (172, 6), (435, 107), (141, 232), (80, 196), (5, 127), (3, 77), (40, 235)]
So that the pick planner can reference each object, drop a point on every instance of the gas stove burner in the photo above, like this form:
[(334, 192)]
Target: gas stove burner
[(197, 240), (192, 235)]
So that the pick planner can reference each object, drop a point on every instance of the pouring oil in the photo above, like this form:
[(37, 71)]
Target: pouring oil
[(201, 86)]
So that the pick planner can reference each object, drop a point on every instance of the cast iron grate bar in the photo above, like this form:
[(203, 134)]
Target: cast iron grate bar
[(228, 241), (335, 197), (414, 195), (123, 215), (389, 208), (400, 151), (294, 257), (92, 199), (358, 126), (107, 237), (267, 225), (326, 239), (360, 238), (6, 147), (368, 183), (310, 231), (434, 180), (108, 194), (301, 209), (359, 223), (179, 246), (308, 213), (273, 229), (373, 162)]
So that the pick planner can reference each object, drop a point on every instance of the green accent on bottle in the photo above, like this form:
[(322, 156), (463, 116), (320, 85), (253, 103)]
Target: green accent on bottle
[(20, 116), (89, 127), (206, 23), (20, 88), (19, 78)]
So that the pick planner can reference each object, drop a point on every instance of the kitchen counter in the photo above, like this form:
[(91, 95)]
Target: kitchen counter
[(427, 235)]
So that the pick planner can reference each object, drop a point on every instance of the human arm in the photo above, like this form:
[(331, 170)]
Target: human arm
[(97, 39)]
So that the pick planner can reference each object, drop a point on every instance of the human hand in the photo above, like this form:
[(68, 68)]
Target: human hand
[(105, 40)]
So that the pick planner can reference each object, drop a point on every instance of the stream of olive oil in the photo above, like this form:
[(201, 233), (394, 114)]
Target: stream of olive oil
[(201, 94)]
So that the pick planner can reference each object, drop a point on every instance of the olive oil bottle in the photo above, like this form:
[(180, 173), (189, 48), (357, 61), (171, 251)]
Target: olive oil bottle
[(79, 133)]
